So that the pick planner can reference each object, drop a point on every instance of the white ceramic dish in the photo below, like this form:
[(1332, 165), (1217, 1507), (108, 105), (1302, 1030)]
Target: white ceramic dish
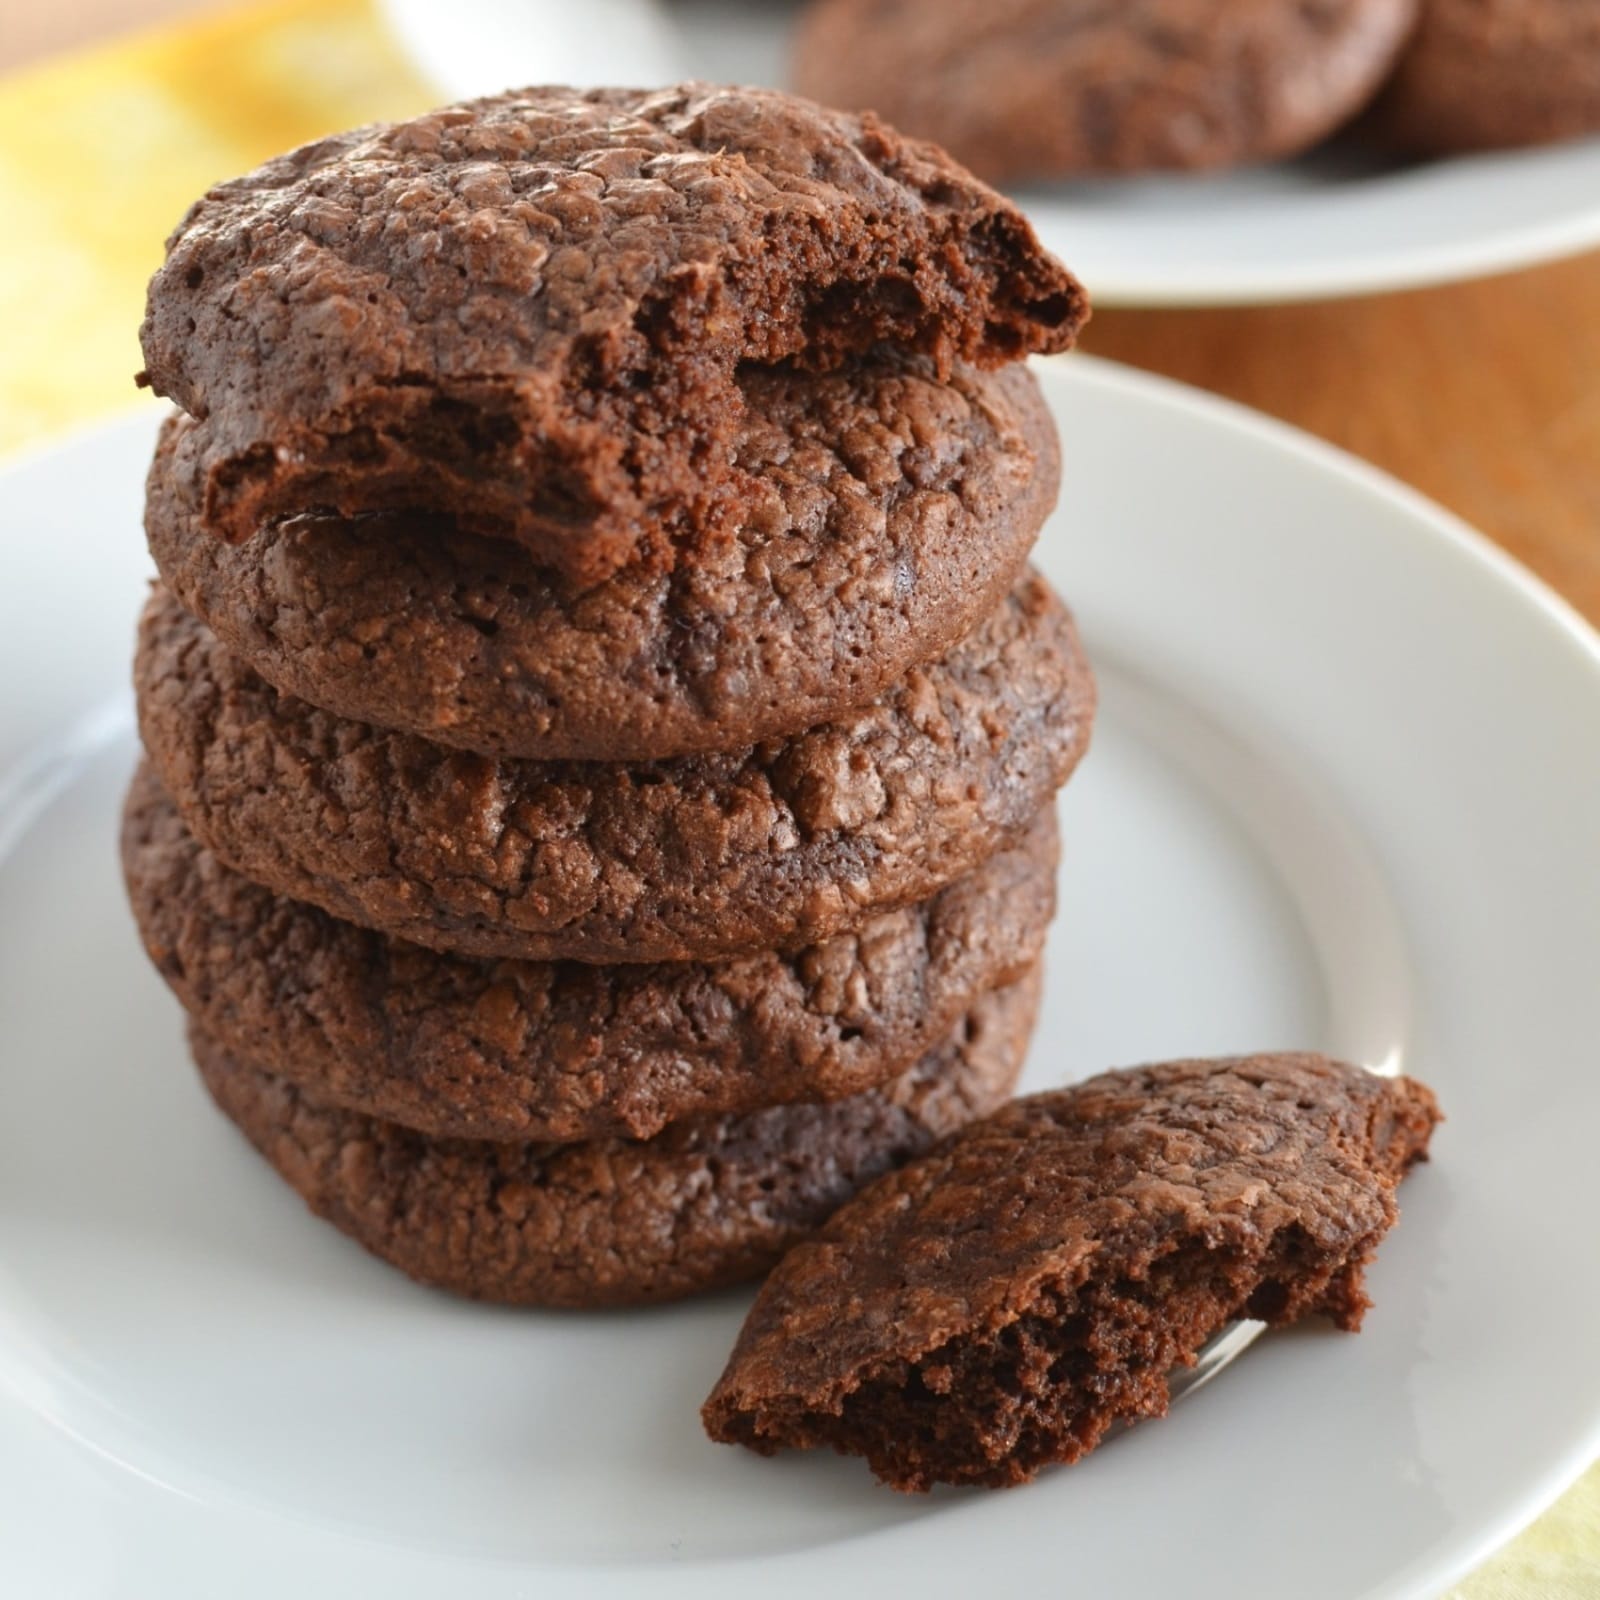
[(1319, 228), (1343, 795)]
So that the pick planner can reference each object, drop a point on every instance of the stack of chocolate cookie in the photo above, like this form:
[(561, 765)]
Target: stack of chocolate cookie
[(602, 728)]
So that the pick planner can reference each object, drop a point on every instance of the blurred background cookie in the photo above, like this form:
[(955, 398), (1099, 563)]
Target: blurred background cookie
[(1491, 74), (1044, 88)]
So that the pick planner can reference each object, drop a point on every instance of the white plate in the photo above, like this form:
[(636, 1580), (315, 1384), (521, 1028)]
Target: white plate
[(1344, 795), (1332, 224)]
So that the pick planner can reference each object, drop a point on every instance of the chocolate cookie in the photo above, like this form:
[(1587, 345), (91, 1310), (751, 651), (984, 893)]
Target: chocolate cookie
[(707, 856), (1054, 88), (474, 1049), (887, 513), (613, 1222), (1486, 74), (997, 1305), (529, 311)]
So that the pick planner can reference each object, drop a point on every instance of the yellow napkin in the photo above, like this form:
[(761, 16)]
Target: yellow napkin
[(99, 155)]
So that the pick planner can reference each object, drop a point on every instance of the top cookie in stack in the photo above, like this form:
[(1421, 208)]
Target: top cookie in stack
[(595, 532), (532, 313)]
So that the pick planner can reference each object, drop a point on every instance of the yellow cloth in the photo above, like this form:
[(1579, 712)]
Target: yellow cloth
[(1558, 1558), (99, 155)]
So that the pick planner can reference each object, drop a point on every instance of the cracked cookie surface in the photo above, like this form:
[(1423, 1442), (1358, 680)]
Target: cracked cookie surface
[(456, 1047), (886, 513), (996, 1305), (774, 846), (528, 311), (616, 1222)]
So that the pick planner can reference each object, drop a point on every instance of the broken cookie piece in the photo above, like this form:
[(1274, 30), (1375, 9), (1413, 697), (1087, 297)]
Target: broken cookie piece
[(998, 1304)]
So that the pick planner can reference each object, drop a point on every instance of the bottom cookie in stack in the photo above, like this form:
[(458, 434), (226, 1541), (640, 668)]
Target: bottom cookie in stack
[(705, 1203)]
